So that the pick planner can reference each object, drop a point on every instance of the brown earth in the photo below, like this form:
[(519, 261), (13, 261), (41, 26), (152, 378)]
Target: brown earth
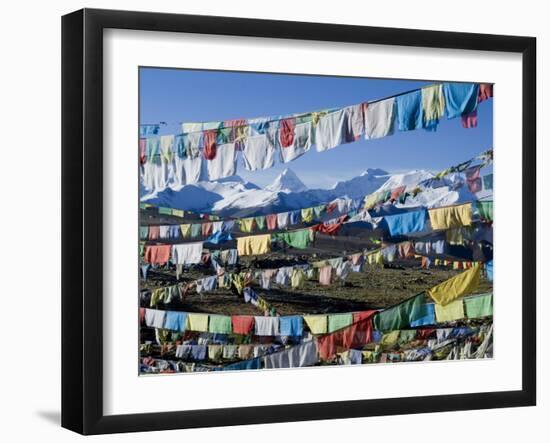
[(372, 289)]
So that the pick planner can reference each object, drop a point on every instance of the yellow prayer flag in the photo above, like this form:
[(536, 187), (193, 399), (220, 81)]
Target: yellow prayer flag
[(320, 264), (451, 217), (390, 338), (375, 258), (215, 352), (177, 212), (317, 324), (452, 311), (454, 236), (368, 356), (254, 245), (185, 230), (371, 200), (198, 322), (455, 287), (307, 215), (298, 278), (246, 224), (433, 102)]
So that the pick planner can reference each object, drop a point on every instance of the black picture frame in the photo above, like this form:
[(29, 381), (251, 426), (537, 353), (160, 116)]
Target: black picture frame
[(82, 215)]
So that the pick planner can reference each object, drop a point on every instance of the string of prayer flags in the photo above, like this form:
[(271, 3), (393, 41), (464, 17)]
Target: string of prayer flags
[(176, 160), (350, 333), (397, 224), (346, 346)]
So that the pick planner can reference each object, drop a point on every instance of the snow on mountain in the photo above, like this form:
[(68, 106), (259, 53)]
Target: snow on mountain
[(435, 192), (202, 195), (363, 184), (235, 197), (287, 181), (410, 180)]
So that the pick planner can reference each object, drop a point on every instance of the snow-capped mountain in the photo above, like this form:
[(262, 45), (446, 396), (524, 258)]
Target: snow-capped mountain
[(236, 197), (410, 180), (363, 184), (287, 181)]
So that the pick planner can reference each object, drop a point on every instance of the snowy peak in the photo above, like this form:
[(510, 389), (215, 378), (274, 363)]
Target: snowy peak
[(374, 172), (409, 179), (236, 197), (365, 183), (287, 181)]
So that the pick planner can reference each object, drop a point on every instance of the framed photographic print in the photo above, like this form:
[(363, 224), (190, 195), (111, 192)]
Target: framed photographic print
[(270, 221)]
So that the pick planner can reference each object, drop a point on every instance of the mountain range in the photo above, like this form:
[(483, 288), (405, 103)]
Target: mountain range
[(235, 197)]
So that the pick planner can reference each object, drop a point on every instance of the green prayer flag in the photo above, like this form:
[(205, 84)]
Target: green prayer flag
[(196, 229), (260, 221), (406, 336), (206, 126), (220, 324), (304, 119), (485, 210), (339, 321), (143, 232), (165, 211), (400, 316), (296, 239), (152, 148), (318, 211), (479, 306), (224, 136)]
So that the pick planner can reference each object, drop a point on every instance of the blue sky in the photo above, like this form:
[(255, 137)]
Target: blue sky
[(175, 95)]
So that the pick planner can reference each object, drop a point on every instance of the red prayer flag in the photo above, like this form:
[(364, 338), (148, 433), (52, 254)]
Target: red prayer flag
[(356, 335), (271, 221), (210, 144), (206, 229), (473, 178), (142, 150), (157, 254), (485, 92), (286, 132), (469, 120), (242, 324)]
